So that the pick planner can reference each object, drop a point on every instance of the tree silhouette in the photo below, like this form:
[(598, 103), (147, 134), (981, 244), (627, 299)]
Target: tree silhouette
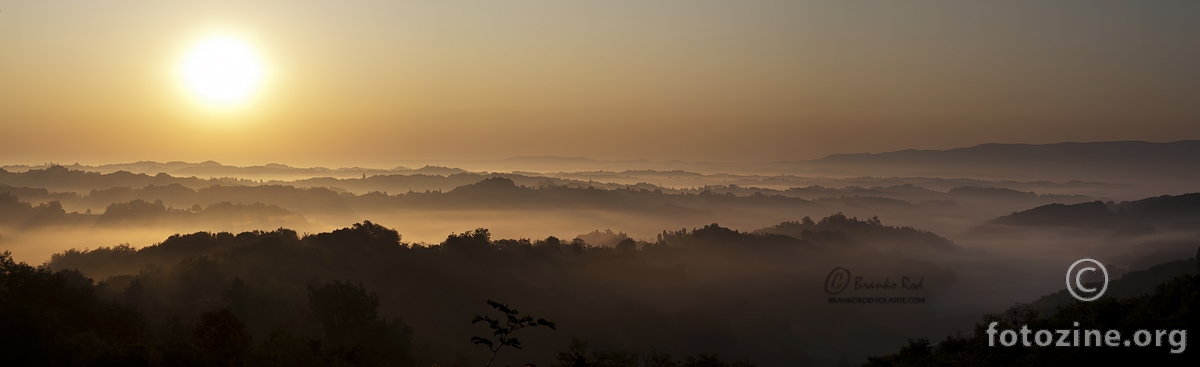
[(504, 327)]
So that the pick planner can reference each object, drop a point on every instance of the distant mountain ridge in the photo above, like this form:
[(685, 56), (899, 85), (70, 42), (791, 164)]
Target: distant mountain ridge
[(1100, 161), (1114, 159), (1069, 161), (1107, 150)]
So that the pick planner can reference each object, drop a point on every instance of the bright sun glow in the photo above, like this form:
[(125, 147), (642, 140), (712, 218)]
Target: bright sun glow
[(222, 71)]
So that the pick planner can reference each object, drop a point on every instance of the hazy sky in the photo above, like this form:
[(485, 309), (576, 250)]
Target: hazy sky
[(365, 82)]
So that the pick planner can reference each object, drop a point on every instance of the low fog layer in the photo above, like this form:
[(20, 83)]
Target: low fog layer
[(511, 205)]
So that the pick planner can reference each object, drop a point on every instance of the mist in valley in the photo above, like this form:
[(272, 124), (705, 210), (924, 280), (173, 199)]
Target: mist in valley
[(641, 261)]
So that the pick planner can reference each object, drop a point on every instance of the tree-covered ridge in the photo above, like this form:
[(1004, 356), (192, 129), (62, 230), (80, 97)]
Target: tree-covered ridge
[(1166, 211), (267, 279), (851, 230), (61, 318), (93, 189), (17, 214), (1172, 306), (1132, 284), (280, 298)]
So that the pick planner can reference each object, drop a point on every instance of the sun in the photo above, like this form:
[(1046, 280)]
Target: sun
[(222, 71)]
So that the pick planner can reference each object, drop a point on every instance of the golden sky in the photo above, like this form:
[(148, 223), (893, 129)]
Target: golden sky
[(367, 82)]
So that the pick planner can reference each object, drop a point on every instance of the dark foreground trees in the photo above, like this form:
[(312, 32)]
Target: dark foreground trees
[(60, 318)]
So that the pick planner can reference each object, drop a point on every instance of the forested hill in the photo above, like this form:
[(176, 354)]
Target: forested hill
[(262, 293), (1167, 211)]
